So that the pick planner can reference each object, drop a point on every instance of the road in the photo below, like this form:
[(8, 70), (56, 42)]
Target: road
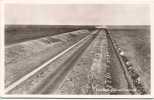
[(93, 65)]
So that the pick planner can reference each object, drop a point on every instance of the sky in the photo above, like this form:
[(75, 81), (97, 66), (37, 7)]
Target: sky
[(77, 14)]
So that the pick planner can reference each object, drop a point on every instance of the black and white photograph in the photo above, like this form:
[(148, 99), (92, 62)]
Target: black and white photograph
[(77, 49)]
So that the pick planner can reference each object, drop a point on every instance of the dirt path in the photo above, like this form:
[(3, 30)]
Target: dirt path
[(87, 74)]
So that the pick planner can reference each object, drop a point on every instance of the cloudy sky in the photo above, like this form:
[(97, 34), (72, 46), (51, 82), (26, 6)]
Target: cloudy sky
[(81, 14)]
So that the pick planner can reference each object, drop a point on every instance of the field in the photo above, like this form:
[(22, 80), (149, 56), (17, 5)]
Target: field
[(135, 41)]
